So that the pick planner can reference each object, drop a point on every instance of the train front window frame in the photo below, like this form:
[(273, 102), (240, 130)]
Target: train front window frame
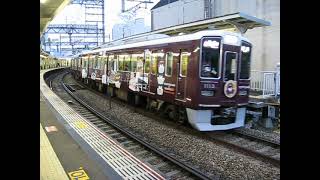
[(212, 45), (248, 52)]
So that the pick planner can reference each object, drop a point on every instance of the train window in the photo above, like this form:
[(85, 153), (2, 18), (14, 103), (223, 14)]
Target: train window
[(99, 62), (230, 66), (96, 59), (133, 63), (120, 62), (184, 63), (154, 64), (147, 64), (90, 62), (85, 64), (126, 63), (210, 58), (168, 64), (111, 63), (140, 64), (245, 61)]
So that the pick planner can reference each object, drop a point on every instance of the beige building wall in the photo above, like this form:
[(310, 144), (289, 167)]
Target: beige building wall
[(266, 40)]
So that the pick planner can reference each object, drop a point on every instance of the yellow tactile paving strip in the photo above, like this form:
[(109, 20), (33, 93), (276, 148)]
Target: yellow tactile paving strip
[(50, 166)]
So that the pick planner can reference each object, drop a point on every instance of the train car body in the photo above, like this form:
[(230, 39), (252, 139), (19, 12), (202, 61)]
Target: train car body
[(201, 78)]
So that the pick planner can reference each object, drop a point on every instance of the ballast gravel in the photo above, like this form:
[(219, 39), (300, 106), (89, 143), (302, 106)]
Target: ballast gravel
[(183, 142)]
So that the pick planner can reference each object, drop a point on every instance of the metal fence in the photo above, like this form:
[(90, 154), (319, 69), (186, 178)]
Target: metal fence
[(267, 82)]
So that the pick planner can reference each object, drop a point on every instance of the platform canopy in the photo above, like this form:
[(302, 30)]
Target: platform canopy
[(48, 10), (239, 22)]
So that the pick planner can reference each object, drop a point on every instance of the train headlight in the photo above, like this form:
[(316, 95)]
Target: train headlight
[(207, 93), (230, 39)]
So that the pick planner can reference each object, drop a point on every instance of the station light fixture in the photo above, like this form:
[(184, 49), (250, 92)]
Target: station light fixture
[(43, 1)]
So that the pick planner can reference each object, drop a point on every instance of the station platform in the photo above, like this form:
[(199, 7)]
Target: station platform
[(79, 149)]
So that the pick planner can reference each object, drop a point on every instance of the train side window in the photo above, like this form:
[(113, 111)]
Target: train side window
[(126, 63), (140, 64), (85, 64), (134, 63), (99, 62), (96, 59), (185, 56), (154, 64), (120, 62), (168, 64), (90, 62), (147, 64)]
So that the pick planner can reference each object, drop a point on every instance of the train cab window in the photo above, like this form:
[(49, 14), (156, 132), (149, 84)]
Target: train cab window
[(210, 57), (185, 56), (168, 64), (245, 61), (230, 66)]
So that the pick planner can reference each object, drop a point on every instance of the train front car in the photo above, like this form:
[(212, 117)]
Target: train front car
[(222, 90)]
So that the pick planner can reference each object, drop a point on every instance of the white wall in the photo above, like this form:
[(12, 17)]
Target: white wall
[(266, 40)]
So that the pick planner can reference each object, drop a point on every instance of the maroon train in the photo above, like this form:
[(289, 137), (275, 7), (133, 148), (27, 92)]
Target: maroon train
[(201, 78)]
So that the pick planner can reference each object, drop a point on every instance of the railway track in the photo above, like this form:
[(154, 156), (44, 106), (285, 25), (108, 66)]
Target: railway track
[(258, 147), (166, 164), (249, 144)]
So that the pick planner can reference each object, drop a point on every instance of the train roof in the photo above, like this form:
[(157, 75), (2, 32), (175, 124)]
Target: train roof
[(170, 39)]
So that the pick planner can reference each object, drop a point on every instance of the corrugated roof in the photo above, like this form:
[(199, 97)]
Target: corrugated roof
[(163, 3)]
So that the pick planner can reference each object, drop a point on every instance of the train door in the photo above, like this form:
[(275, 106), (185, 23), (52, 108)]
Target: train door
[(182, 68)]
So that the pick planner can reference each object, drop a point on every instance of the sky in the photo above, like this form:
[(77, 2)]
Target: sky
[(75, 14)]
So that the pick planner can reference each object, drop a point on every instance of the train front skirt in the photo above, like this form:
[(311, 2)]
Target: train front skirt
[(202, 120)]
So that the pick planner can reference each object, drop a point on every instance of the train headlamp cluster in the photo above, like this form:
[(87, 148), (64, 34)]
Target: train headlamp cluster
[(245, 49), (211, 44)]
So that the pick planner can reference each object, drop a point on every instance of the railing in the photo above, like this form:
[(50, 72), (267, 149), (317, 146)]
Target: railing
[(267, 82)]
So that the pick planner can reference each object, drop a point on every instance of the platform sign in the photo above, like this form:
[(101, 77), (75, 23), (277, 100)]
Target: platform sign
[(78, 175)]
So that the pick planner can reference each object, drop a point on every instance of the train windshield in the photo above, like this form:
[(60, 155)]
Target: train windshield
[(210, 58), (245, 61)]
